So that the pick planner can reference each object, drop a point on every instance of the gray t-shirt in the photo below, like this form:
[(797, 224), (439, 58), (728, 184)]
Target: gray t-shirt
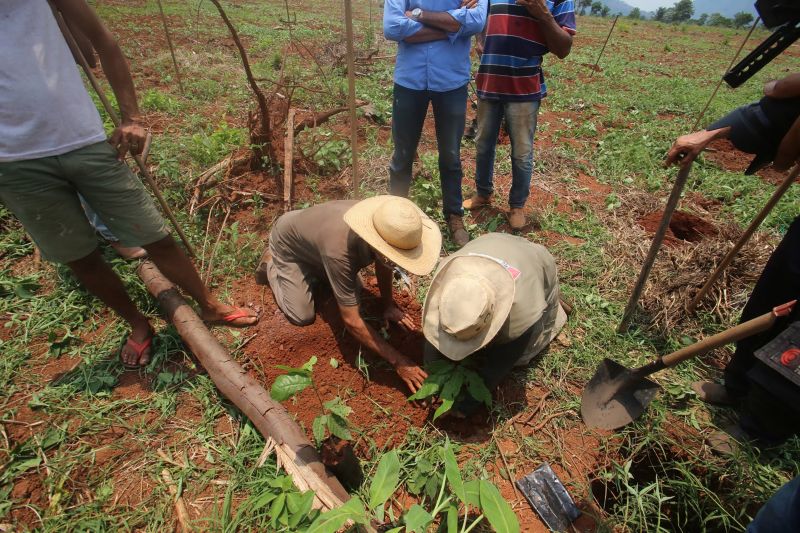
[(319, 240)]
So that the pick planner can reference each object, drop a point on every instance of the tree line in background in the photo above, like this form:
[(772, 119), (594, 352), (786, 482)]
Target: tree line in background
[(680, 13)]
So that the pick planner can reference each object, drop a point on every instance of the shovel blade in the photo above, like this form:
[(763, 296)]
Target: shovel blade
[(548, 496), (615, 397)]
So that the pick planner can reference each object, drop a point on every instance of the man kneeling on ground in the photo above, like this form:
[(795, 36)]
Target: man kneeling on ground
[(53, 148), (496, 301), (334, 241)]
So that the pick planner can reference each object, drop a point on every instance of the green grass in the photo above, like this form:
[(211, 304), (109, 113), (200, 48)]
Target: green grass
[(656, 473)]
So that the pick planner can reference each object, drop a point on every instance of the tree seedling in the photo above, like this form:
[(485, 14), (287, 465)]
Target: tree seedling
[(446, 381)]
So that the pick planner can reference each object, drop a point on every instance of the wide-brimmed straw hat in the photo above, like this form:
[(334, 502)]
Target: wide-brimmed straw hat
[(398, 230), (468, 302)]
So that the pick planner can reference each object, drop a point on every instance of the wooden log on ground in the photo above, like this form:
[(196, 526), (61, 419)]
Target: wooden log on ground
[(294, 451)]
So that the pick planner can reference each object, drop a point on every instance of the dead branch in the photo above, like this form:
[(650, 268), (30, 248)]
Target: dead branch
[(180, 504), (322, 117)]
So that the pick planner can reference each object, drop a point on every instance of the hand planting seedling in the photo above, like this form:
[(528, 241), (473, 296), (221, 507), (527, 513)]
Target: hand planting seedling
[(447, 380)]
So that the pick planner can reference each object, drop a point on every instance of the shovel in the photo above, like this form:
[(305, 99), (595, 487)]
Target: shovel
[(616, 396)]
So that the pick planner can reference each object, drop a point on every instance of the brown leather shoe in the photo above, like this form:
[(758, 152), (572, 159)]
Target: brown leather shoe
[(712, 393), (263, 266), (457, 231), (477, 201), (516, 218)]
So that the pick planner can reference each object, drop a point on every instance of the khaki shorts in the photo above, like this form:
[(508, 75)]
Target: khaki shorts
[(43, 194)]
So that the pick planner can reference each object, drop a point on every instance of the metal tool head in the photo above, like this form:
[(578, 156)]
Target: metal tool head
[(615, 396), (548, 496)]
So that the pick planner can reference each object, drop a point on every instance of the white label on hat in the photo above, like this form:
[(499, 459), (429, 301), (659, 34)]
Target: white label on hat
[(514, 271)]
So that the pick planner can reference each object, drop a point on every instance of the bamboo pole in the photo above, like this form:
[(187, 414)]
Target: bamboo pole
[(116, 120), (288, 162), (608, 38), (295, 453), (351, 86), (751, 229), (171, 47), (722, 78), (655, 246)]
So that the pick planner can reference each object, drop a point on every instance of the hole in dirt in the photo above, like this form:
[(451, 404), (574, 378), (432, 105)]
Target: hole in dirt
[(682, 227)]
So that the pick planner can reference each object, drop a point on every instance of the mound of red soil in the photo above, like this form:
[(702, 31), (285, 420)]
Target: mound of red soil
[(683, 227), (374, 391)]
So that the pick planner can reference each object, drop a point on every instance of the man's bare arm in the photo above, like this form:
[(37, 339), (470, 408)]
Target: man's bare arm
[(440, 20), (426, 35), (789, 150), (409, 372), (558, 40), (79, 15)]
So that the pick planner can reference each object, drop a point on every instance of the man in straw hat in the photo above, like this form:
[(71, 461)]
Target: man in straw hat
[(497, 301), (334, 241)]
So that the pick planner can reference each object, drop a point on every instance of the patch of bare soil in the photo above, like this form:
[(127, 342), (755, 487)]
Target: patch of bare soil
[(723, 153), (683, 227)]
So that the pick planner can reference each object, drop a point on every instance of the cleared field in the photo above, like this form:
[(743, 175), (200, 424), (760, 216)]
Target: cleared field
[(83, 443)]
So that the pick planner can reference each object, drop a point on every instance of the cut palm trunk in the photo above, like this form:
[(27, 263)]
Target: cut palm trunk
[(295, 453)]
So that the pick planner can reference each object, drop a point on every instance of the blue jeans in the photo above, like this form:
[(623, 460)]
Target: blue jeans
[(408, 115), (521, 121), (781, 513)]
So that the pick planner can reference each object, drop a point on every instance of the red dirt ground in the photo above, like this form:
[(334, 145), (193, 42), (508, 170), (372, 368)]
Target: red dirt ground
[(723, 153), (683, 227)]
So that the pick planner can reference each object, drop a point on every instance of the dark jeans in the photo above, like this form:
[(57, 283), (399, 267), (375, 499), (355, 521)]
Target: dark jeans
[(778, 284), (408, 116), (493, 363), (781, 513)]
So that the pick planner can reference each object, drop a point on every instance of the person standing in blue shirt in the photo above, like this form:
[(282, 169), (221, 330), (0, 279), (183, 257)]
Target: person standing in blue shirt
[(432, 67)]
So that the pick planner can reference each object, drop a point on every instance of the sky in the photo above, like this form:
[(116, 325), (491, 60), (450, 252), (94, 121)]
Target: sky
[(649, 5)]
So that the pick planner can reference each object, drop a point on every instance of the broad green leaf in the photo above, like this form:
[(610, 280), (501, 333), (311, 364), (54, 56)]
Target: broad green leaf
[(299, 506), (262, 501), (472, 491), (417, 519), (440, 366), (452, 472), (496, 509), (318, 428), (452, 519), (429, 388), (338, 427), (277, 508), (449, 394), (287, 385), (336, 407), (306, 369), (331, 521), (395, 530), (477, 388), (385, 480)]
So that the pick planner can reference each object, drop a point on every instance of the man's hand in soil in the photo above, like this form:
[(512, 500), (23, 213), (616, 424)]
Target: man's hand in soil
[(688, 147), (410, 373), (396, 315), (130, 137)]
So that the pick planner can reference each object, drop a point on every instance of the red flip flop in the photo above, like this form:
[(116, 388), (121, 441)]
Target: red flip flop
[(138, 348), (229, 319)]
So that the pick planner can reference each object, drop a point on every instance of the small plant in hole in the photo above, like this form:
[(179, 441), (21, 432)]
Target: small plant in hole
[(334, 413), (447, 380)]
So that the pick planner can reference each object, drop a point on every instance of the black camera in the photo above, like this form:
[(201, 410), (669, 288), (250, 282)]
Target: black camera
[(783, 18)]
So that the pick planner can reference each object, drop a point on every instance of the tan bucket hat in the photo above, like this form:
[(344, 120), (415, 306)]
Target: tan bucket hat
[(399, 230), (468, 302)]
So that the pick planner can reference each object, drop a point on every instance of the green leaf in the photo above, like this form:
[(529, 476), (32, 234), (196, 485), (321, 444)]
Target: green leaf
[(473, 493), (338, 427), (331, 521), (452, 519), (449, 394), (318, 428), (496, 509), (336, 407), (477, 388), (439, 367), (299, 506), (287, 385), (429, 388), (262, 501), (334, 363), (417, 519), (385, 480), (452, 472), (277, 507)]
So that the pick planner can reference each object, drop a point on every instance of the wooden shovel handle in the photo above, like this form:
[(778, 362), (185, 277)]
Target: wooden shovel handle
[(734, 334)]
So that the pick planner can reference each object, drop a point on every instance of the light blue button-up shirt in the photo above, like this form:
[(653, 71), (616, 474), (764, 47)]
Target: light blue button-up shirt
[(441, 65)]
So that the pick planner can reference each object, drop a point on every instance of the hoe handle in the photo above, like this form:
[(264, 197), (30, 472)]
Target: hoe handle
[(734, 334)]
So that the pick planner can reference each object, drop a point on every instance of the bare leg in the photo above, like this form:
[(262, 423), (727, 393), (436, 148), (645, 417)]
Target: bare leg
[(178, 268), (98, 278)]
